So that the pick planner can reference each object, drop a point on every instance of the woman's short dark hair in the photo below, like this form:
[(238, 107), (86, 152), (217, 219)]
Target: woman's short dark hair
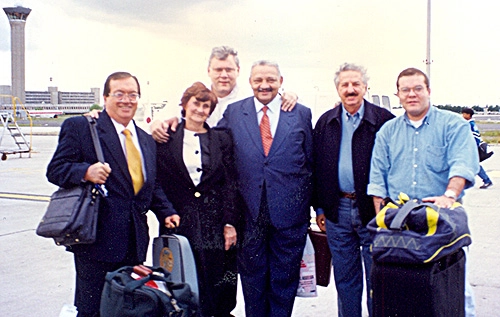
[(201, 93)]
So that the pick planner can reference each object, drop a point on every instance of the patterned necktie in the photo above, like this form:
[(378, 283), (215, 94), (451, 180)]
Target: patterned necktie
[(134, 162), (265, 131)]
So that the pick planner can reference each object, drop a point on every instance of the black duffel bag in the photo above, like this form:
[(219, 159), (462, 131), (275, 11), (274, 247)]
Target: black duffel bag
[(146, 292), (417, 232)]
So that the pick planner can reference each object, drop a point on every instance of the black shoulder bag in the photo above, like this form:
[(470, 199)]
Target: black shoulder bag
[(71, 217), (483, 151)]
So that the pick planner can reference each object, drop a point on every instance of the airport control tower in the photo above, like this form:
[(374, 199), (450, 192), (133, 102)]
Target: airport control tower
[(17, 19)]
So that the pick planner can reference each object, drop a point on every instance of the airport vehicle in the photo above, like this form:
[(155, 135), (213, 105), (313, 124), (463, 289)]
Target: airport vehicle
[(390, 103), (45, 113)]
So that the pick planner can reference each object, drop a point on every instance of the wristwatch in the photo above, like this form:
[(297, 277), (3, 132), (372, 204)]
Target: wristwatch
[(450, 194)]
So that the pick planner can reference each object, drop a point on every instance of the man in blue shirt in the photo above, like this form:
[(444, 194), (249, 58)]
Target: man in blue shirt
[(467, 113), (427, 153), (343, 139)]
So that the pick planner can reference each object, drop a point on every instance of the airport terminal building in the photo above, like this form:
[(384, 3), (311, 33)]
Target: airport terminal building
[(54, 96), (67, 101)]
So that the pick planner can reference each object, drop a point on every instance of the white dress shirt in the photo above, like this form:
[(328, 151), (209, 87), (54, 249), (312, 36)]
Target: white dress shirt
[(273, 113), (133, 132)]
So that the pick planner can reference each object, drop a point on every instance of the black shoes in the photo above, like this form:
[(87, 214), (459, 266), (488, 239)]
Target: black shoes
[(486, 185)]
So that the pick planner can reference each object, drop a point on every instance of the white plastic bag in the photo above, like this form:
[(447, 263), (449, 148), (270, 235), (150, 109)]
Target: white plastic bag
[(68, 310), (307, 281)]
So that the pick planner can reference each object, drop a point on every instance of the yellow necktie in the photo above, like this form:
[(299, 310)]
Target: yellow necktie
[(134, 162)]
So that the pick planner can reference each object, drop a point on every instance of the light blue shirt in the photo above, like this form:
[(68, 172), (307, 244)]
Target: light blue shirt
[(420, 161), (346, 173), (349, 124), (273, 112)]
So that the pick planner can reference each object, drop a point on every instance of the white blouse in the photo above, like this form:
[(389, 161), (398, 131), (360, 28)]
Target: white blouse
[(191, 153)]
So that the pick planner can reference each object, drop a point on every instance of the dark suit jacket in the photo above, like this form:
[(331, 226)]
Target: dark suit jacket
[(215, 194), (286, 171), (121, 212), (327, 138)]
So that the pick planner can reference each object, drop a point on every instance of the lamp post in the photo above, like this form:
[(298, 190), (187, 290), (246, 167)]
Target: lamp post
[(428, 60)]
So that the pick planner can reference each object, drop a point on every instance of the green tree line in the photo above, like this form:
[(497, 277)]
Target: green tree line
[(458, 109)]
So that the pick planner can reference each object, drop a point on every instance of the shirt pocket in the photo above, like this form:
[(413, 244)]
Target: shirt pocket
[(435, 158)]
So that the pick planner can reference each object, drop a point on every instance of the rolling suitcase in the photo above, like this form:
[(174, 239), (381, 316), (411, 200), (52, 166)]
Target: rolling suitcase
[(431, 289), (173, 253)]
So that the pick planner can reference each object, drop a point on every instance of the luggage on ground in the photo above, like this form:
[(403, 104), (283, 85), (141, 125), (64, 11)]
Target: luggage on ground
[(146, 292), (431, 289), (173, 253)]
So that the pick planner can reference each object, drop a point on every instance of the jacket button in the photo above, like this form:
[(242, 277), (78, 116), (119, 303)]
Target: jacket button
[(197, 194)]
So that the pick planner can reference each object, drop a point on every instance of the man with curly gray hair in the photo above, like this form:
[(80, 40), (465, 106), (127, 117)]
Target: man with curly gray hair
[(343, 141)]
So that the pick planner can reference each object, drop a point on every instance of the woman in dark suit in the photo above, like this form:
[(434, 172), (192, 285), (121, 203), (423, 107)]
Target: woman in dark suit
[(196, 171)]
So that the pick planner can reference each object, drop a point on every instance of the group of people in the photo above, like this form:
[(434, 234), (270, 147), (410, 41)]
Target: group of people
[(238, 176)]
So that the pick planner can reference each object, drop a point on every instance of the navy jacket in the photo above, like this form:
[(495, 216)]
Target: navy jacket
[(327, 136), (286, 171), (122, 213), (214, 197)]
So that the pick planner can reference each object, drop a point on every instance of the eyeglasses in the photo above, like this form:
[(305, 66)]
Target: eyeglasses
[(417, 89), (132, 97)]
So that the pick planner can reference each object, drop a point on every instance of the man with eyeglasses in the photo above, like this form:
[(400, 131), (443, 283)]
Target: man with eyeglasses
[(343, 143), (223, 70), (129, 175), (428, 154)]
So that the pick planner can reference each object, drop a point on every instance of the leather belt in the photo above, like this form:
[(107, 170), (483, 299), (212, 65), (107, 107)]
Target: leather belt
[(351, 196)]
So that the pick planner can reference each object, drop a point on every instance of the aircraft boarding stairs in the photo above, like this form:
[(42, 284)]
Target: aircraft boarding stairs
[(12, 139)]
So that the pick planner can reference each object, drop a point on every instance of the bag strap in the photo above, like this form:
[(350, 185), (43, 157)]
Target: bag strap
[(95, 138), (154, 276), (411, 205), (400, 217)]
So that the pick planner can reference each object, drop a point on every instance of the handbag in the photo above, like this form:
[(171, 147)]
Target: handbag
[(71, 216), (145, 291), (322, 257), (482, 149), (416, 232)]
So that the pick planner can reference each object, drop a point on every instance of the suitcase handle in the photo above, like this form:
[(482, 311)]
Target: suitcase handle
[(168, 231)]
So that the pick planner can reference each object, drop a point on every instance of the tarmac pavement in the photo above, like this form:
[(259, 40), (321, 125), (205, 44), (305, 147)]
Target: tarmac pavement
[(37, 277)]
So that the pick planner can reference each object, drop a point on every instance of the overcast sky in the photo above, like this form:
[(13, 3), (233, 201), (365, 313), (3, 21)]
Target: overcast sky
[(167, 43)]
